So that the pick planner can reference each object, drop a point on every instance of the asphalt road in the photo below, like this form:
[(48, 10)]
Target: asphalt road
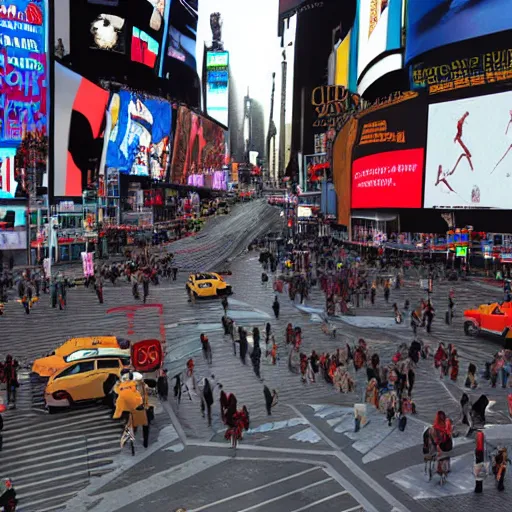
[(305, 457)]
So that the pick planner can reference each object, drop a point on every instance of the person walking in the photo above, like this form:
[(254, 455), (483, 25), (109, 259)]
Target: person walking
[(225, 304), (206, 348), (11, 379), (243, 344), (271, 399), (99, 288), (276, 307), (256, 352), (206, 393), (145, 288)]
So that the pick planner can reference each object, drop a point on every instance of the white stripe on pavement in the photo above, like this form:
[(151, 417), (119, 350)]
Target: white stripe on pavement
[(256, 489), (291, 493), (323, 500)]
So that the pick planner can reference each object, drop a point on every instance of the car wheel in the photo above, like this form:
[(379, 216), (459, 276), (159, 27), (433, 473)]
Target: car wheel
[(470, 329), (52, 409)]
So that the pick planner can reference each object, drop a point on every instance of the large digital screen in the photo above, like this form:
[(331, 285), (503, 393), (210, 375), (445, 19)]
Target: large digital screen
[(182, 33), (380, 23), (23, 82), (144, 48), (108, 33), (140, 135), (13, 227), (217, 86), (435, 23), (157, 18), (78, 132), (199, 146), (388, 180), (469, 153)]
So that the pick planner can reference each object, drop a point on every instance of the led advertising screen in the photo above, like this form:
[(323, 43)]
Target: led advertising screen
[(23, 82), (13, 227), (108, 33), (144, 48), (140, 135), (217, 86), (388, 180), (199, 146), (182, 33), (380, 24), (438, 22), (469, 153), (78, 132)]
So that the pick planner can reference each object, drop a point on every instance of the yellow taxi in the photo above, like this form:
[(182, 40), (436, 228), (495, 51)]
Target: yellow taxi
[(207, 284), (89, 374), (47, 366)]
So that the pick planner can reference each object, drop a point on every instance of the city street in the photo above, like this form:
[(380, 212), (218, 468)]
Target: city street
[(305, 457)]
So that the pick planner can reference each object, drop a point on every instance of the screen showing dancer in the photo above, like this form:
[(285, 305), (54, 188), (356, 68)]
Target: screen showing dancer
[(474, 168)]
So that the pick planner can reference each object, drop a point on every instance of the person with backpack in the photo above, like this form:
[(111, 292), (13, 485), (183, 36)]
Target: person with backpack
[(442, 435)]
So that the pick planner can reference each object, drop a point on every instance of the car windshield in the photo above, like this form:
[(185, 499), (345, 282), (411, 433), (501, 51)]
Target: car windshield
[(205, 277), (81, 354)]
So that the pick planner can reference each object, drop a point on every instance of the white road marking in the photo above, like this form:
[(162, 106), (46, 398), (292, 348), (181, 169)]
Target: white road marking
[(355, 469), (323, 500), (291, 493), (250, 491), (115, 500)]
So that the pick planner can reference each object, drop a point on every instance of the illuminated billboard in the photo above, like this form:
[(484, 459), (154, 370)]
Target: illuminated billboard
[(78, 132), (13, 226), (199, 147), (217, 86), (140, 135), (469, 153), (23, 83), (182, 33), (437, 22), (144, 48), (380, 23)]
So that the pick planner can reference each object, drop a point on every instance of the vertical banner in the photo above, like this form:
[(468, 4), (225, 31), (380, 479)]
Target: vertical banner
[(23, 89)]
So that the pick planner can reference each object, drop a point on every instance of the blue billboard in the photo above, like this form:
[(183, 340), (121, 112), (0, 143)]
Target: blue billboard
[(440, 22), (139, 141)]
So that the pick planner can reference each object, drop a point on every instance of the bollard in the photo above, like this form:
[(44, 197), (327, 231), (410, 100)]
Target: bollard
[(479, 459)]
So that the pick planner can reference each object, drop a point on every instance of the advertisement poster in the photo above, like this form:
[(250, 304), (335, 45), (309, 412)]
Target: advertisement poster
[(144, 48), (182, 33), (388, 180), (13, 227), (469, 70), (373, 31), (108, 33), (79, 129), (139, 142), (469, 153), (395, 127), (199, 146), (23, 82), (217, 86), (437, 22)]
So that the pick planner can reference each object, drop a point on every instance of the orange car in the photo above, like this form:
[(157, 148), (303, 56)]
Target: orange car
[(494, 318)]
